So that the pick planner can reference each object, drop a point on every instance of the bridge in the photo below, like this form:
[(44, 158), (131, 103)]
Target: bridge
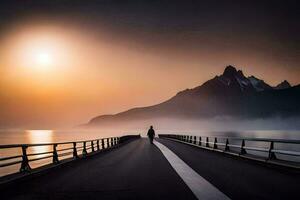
[(174, 167)]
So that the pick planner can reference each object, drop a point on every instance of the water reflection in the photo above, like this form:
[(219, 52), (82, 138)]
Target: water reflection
[(40, 136)]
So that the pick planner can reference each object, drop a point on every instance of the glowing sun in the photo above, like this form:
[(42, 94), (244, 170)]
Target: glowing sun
[(43, 58)]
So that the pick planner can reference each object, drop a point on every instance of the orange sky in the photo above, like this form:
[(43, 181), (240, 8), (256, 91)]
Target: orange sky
[(87, 74)]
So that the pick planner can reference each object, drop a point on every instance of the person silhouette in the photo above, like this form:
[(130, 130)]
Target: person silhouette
[(151, 134)]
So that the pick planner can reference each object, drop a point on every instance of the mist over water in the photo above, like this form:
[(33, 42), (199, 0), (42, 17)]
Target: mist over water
[(224, 126), (288, 128)]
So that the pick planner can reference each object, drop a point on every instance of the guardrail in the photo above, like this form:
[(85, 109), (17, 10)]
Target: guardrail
[(240, 145), (75, 150)]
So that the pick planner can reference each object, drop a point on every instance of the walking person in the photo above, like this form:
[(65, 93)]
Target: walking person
[(151, 134)]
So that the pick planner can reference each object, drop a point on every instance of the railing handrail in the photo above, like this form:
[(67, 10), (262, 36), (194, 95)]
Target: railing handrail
[(277, 140), (52, 143), (272, 152)]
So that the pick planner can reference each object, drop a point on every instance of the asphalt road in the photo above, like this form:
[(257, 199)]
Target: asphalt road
[(136, 170), (238, 178)]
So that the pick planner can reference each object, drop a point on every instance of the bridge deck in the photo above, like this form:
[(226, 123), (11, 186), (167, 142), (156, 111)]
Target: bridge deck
[(139, 170)]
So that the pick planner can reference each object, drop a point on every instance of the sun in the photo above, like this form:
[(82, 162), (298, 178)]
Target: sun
[(43, 59), (37, 52)]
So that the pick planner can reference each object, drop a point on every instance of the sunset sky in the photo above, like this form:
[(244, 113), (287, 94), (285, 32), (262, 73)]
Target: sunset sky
[(63, 62)]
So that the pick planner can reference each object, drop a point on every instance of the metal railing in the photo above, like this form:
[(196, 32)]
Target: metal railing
[(240, 146), (75, 150)]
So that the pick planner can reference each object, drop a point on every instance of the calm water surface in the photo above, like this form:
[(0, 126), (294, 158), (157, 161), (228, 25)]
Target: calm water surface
[(48, 136)]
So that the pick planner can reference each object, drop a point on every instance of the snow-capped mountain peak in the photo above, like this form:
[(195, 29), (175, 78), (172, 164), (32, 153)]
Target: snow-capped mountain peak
[(259, 84), (231, 76)]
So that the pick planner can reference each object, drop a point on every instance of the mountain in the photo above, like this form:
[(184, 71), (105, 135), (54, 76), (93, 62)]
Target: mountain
[(228, 95), (283, 85), (259, 84)]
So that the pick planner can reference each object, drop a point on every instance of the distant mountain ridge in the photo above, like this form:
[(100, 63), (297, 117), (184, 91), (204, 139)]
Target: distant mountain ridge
[(228, 95), (283, 85)]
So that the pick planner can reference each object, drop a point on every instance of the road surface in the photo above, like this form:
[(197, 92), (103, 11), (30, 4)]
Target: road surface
[(139, 170)]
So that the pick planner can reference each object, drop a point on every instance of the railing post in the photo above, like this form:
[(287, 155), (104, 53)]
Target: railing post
[(107, 141), (84, 152), (195, 139), (74, 150), (55, 156), (226, 145), (92, 144), (111, 142), (102, 143), (243, 151), (115, 141), (215, 143), (199, 140), (271, 154), (206, 143), (25, 163), (98, 145)]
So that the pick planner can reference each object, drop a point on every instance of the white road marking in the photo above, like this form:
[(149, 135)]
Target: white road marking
[(200, 187)]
